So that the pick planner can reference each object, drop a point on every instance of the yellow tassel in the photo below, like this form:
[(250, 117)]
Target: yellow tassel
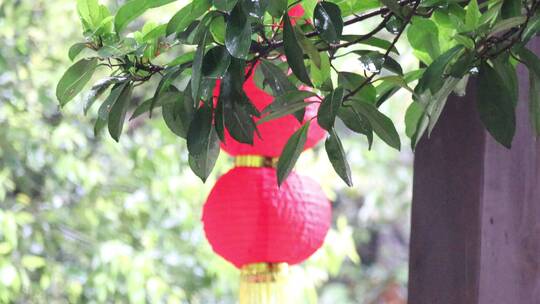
[(264, 283), (255, 161)]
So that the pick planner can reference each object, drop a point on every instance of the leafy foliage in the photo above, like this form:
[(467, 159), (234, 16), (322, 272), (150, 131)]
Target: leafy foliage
[(454, 40)]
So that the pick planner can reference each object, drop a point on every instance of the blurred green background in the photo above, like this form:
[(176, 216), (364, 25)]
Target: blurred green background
[(89, 220)]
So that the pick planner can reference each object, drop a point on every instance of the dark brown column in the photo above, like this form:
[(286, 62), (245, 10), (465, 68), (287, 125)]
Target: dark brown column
[(476, 211)]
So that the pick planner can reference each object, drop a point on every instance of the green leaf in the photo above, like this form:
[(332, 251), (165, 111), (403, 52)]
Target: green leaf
[(225, 5), (276, 8), (495, 106), (284, 110), (75, 50), (349, 7), (196, 68), (170, 75), (177, 112), (292, 150), (511, 8), (434, 75), (506, 24), (182, 59), (350, 81), (89, 12), (412, 118), (472, 15), (74, 79), (202, 143), (237, 109), (215, 62), (118, 112), (328, 109), (423, 36), (328, 22), (465, 41), (98, 89), (321, 75), (293, 52), (143, 108), (217, 28), (276, 78), (311, 50), (381, 124), (186, 15), (533, 26), (255, 8), (374, 61), (238, 33), (356, 122), (129, 12), (337, 157), (394, 7)]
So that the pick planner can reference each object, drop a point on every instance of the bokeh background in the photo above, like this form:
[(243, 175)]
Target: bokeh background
[(84, 219)]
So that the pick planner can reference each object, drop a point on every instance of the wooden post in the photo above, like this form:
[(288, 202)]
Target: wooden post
[(476, 211)]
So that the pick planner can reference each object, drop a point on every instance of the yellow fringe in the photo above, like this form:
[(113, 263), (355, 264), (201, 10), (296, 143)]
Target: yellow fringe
[(264, 283), (255, 161)]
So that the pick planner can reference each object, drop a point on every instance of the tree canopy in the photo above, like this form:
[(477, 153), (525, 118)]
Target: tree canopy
[(215, 39)]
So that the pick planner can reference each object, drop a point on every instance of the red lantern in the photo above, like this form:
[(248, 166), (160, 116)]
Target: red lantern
[(249, 219), (254, 224), (274, 133)]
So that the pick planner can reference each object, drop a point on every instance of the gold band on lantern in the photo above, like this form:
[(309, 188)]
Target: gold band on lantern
[(264, 283), (255, 161)]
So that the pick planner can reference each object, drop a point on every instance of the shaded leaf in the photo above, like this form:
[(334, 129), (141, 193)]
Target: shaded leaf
[(495, 106), (292, 150), (238, 33), (202, 143), (118, 112), (337, 157), (293, 52), (215, 62), (381, 124), (328, 22), (328, 109), (74, 79)]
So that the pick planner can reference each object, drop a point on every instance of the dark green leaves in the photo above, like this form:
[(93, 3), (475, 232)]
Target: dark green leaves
[(291, 152), (202, 143), (196, 69), (291, 102), (117, 115), (276, 79), (238, 33), (329, 108), (276, 8), (237, 110), (337, 157), (215, 62), (74, 79), (293, 51), (495, 106), (381, 124), (328, 21), (177, 111)]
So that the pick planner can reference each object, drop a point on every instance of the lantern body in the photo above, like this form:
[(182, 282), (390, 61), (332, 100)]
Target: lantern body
[(274, 133), (249, 219)]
